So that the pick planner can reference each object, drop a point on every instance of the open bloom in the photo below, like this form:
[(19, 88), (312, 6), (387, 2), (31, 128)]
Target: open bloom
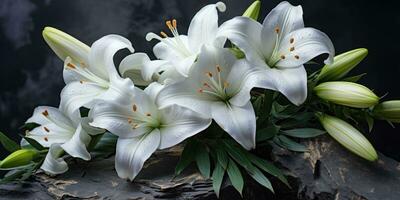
[(176, 53), (218, 86), (279, 47), (89, 73), (142, 127), (60, 133)]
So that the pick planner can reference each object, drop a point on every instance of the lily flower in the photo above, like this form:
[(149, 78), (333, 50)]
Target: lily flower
[(177, 53), (142, 127), (218, 87), (89, 73), (279, 47), (60, 133)]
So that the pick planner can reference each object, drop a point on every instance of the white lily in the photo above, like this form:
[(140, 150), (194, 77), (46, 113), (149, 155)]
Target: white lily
[(60, 133), (176, 54), (279, 47), (142, 127), (218, 86), (89, 73)]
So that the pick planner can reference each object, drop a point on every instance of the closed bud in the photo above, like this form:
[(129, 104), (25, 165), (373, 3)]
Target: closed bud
[(388, 110), (342, 64), (65, 45), (347, 94), (348, 136), (253, 11), (18, 158)]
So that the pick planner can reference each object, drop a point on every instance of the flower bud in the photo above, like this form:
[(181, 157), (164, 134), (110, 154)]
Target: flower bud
[(342, 64), (18, 158), (65, 45), (348, 136), (253, 11), (388, 110), (347, 94)]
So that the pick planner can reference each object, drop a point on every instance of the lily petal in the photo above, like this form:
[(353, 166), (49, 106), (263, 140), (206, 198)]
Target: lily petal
[(133, 152), (154, 67), (282, 20), (48, 115), (76, 146), (238, 122), (101, 57), (204, 26), (50, 133), (172, 49), (307, 43), (53, 163), (65, 45), (132, 66), (116, 118), (153, 89), (245, 33), (178, 124)]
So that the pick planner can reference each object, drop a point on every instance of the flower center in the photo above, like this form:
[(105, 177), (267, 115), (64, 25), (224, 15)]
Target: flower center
[(174, 42), (139, 119), (215, 85), (279, 54)]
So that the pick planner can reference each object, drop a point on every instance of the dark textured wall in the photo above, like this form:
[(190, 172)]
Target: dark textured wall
[(31, 74)]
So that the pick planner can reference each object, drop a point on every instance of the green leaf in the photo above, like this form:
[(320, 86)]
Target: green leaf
[(217, 177), (186, 156), (303, 132), (237, 154), (287, 143), (222, 157), (34, 143), (235, 176), (8, 143), (300, 119), (268, 167), (267, 133), (84, 111), (354, 78), (203, 161), (105, 147), (257, 175), (370, 122)]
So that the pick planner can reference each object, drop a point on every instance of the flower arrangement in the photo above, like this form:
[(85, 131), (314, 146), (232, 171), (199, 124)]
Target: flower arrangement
[(220, 91)]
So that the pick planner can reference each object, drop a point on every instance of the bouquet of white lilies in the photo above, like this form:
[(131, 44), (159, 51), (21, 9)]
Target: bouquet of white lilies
[(221, 92)]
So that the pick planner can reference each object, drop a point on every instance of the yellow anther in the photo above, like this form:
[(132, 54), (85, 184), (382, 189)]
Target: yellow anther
[(70, 65), (45, 113), (163, 34), (277, 29), (174, 23), (169, 25), (209, 74), (218, 68), (81, 82)]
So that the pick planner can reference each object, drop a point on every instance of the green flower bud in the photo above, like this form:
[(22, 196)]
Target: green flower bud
[(388, 110), (65, 45), (342, 64), (348, 136), (18, 158), (347, 94), (253, 11)]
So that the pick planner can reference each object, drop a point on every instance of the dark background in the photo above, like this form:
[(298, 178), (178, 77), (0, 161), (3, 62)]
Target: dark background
[(31, 74)]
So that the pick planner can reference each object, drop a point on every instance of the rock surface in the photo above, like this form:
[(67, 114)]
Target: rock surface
[(327, 172)]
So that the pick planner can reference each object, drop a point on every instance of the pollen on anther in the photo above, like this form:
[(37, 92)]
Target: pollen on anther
[(169, 25), (209, 74), (81, 82), (148, 114), (129, 121), (70, 65), (291, 49), (291, 40), (46, 139), (283, 57), (206, 85), (46, 129), (163, 34), (297, 57), (200, 90), (218, 68), (134, 107), (45, 113), (174, 23), (277, 29)]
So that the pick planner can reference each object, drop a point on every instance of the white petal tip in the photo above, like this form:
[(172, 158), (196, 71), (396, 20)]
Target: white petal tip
[(150, 36), (221, 6)]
